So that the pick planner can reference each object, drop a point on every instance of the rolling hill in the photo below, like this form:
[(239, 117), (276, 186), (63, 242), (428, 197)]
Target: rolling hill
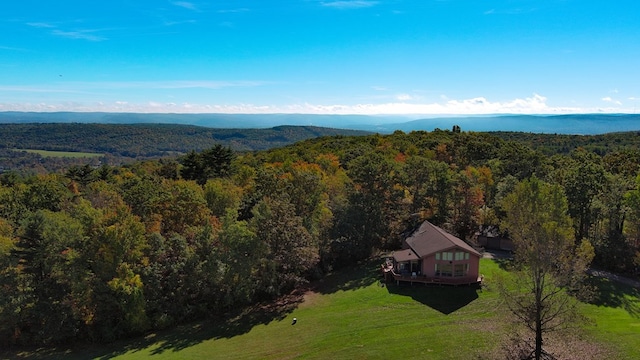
[(580, 124)]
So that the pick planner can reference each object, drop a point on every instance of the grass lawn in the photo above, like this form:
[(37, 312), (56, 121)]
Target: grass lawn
[(352, 315), (616, 315), (69, 154)]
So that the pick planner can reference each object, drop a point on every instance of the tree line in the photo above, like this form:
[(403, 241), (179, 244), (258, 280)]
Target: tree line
[(100, 253)]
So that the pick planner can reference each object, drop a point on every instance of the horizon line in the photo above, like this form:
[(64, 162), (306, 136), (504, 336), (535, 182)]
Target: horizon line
[(448, 115)]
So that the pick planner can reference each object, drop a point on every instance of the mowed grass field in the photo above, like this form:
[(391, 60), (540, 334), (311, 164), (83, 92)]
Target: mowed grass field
[(69, 154), (353, 315)]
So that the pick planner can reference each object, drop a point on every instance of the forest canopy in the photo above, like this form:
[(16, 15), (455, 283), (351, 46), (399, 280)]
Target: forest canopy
[(97, 253)]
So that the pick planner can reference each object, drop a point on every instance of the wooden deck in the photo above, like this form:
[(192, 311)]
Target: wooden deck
[(421, 279)]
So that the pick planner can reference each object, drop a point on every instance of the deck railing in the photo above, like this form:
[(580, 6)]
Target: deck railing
[(436, 280)]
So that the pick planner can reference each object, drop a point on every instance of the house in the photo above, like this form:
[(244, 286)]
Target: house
[(431, 255)]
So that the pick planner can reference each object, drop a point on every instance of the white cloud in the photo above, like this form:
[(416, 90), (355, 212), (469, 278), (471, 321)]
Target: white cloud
[(36, 89), (40, 25), (172, 23), (536, 104), (404, 97), (86, 34), (239, 10), (611, 100), (9, 48), (185, 4), (349, 4), (81, 35), (73, 87)]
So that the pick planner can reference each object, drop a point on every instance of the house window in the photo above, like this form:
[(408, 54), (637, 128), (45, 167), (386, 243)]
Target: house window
[(447, 255), (450, 255), (444, 270), (460, 270)]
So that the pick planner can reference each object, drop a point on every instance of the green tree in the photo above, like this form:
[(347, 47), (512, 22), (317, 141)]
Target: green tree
[(169, 169), (144, 195), (115, 256), (212, 162), (45, 192), (81, 174), (12, 206), (165, 279), (217, 160), (241, 265), (549, 265), (222, 194), (610, 212), (184, 207), (376, 203), (418, 180), (632, 225), (467, 199), (582, 184), (292, 253), (520, 161), (625, 162), (442, 192), (10, 296), (48, 276), (192, 167)]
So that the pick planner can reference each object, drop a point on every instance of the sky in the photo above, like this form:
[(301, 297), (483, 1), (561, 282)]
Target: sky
[(391, 57)]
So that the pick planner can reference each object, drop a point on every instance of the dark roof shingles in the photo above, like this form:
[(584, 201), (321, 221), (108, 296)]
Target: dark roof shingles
[(429, 239)]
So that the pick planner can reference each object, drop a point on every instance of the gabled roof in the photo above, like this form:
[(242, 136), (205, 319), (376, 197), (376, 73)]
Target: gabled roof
[(430, 239), (405, 255)]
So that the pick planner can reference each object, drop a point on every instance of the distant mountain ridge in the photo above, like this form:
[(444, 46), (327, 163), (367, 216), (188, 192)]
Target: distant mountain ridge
[(573, 124), (222, 121), (580, 124)]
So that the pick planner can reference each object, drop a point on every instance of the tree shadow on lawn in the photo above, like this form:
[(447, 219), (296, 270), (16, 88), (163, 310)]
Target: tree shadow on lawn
[(350, 278), (445, 299), (231, 324), (610, 293), (506, 264), (180, 337)]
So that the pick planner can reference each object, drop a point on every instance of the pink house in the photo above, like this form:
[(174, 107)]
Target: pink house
[(431, 255)]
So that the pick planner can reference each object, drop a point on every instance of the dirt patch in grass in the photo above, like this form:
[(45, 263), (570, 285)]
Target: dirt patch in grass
[(518, 345), (310, 299), (573, 347), (282, 305)]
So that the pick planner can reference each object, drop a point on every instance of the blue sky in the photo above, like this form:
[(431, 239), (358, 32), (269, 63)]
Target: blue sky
[(321, 56)]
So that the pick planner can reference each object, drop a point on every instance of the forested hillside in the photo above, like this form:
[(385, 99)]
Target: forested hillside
[(97, 254), (119, 143), (551, 144)]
